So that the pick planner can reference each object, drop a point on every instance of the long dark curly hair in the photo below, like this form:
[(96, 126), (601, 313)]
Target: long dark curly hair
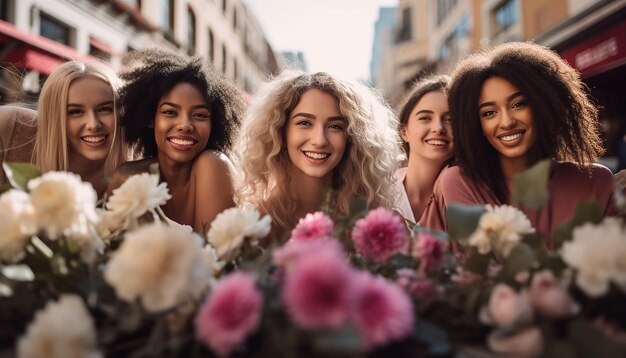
[(565, 118), (151, 74)]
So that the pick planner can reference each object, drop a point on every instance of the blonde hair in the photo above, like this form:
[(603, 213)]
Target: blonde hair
[(51, 150), (365, 171)]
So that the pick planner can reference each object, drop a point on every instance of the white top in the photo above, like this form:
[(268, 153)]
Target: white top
[(402, 203)]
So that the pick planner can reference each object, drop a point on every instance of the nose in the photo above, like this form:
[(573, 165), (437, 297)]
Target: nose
[(184, 124), (93, 121), (436, 126), (318, 137), (507, 121)]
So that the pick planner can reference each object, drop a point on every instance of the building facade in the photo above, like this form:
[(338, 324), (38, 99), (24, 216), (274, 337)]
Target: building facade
[(37, 35)]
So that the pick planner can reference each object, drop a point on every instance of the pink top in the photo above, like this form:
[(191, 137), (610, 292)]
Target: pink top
[(568, 186)]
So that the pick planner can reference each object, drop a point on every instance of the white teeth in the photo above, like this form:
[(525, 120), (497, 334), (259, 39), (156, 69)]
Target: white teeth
[(317, 155), (93, 139), (511, 137), (436, 142), (181, 141)]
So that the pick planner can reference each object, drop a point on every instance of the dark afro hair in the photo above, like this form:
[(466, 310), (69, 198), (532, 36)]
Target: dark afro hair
[(151, 73)]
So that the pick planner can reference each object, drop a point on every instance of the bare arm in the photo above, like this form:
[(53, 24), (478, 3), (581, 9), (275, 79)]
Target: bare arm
[(213, 188)]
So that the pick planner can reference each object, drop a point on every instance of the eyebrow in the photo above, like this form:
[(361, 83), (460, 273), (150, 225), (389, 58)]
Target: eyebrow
[(80, 105), (516, 94), (178, 106), (311, 116)]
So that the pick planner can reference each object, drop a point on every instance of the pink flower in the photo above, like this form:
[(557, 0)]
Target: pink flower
[(425, 290), (313, 226), (550, 297), (288, 255), (379, 235), (429, 250), (383, 313), (318, 290), (231, 314), (506, 307), (527, 343)]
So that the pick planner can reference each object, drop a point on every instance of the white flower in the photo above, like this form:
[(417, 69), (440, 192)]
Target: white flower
[(215, 264), (230, 227), (162, 265), (598, 253), (64, 205), (16, 223), (500, 229), (62, 329), (138, 195)]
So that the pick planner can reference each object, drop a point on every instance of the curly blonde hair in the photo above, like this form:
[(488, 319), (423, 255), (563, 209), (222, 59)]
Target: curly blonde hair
[(365, 171)]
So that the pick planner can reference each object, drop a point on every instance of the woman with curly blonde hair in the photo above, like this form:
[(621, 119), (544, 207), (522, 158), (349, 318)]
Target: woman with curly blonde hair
[(306, 135)]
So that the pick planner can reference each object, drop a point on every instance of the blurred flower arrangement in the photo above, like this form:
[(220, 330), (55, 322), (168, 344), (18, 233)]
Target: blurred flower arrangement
[(79, 280)]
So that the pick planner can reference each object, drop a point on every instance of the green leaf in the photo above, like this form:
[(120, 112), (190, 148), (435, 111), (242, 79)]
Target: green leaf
[(358, 207), (154, 169), (586, 211), (530, 187), (462, 220), (477, 262), (559, 349), (345, 340), (4, 188), (19, 174), (589, 341), (521, 258), (434, 337)]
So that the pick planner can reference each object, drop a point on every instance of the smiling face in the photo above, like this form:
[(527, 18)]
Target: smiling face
[(506, 120), (316, 135), (182, 124), (90, 119), (428, 130)]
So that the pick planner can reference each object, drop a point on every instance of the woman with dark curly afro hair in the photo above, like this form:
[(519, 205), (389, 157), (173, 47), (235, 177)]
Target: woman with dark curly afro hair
[(512, 107), (180, 113)]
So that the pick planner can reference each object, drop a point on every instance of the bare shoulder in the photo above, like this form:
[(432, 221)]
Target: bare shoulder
[(211, 164), (601, 175)]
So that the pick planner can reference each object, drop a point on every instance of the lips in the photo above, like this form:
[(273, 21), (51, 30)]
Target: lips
[(316, 155), (511, 138), (440, 142), (93, 140), (182, 142)]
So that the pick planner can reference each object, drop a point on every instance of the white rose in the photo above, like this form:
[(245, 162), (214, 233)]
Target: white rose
[(506, 307), (62, 329), (598, 253), (499, 229), (229, 229), (16, 223), (138, 195), (161, 265), (63, 204)]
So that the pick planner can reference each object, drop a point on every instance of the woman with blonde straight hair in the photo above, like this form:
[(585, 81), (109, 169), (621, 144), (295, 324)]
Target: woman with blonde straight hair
[(78, 125), (307, 135)]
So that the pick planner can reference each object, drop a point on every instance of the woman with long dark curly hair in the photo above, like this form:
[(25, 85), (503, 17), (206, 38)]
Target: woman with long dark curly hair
[(180, 113), (512, 107)]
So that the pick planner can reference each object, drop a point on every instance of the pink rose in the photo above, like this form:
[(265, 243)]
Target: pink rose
[(429, 250), (313, 226), (379, 235), (550, 297), (230, 314), (506, 307)]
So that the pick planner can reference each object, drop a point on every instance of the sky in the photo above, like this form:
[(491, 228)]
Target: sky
[(335, 35)]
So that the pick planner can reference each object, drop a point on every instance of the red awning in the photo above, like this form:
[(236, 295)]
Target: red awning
[(35, 52)]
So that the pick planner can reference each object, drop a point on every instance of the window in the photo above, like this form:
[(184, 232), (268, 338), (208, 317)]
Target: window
[(404, 32), (224, 59), (505, 16), (444, 7), (134, 3), (4, 4), (53, 29), (211, 46), (167, 15), (191, 32)]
